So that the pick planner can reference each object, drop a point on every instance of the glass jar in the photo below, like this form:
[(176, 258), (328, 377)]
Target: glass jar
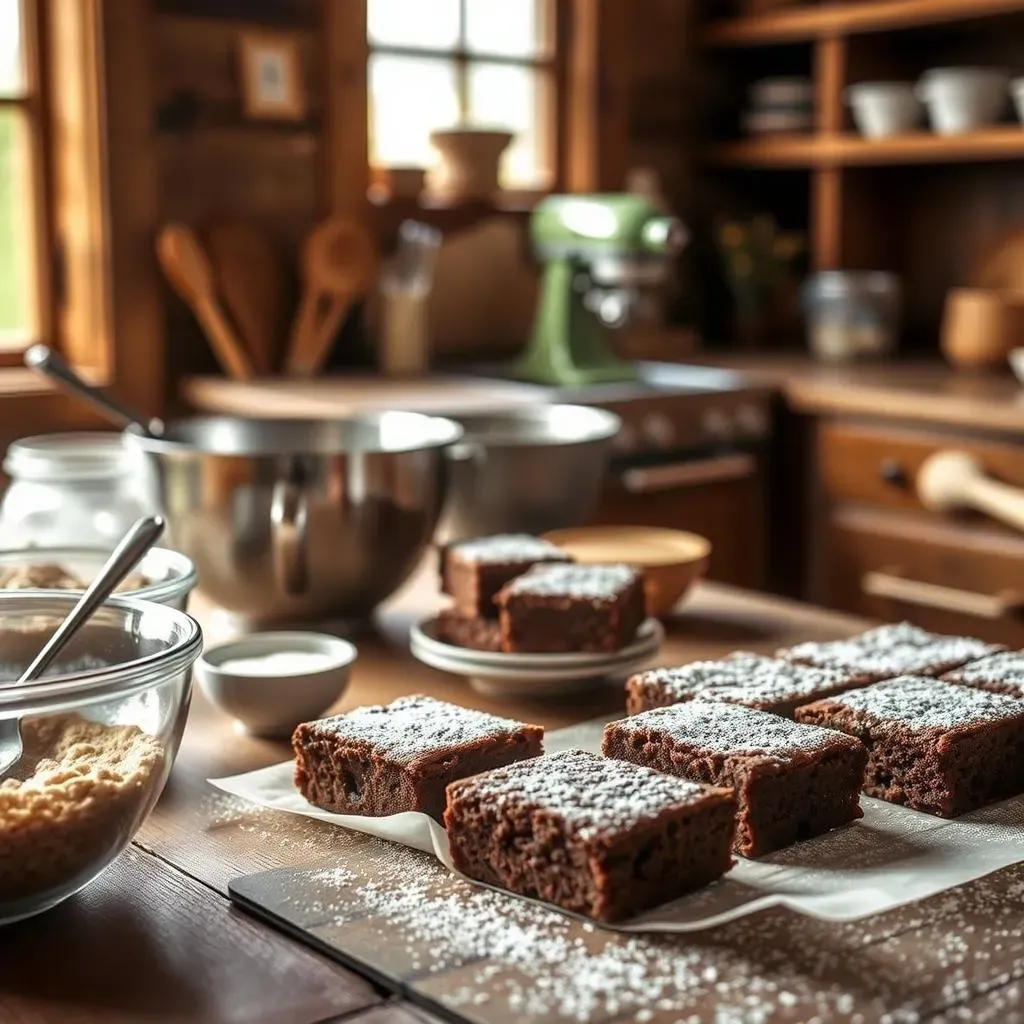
[(74, 490), (852, 315)]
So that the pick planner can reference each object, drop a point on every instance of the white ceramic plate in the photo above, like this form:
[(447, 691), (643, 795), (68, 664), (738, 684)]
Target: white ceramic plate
[(424, 636), (535, 675)]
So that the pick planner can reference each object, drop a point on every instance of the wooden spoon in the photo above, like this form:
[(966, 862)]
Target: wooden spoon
[(187, 268), (948, 480), (250, 278), (339, 262)]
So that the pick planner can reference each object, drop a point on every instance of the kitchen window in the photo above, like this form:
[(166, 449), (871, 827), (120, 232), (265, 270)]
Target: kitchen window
[(465, 62), (22, 179)]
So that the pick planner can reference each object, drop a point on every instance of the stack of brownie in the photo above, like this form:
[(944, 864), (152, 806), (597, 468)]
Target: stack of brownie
[(516, 593)]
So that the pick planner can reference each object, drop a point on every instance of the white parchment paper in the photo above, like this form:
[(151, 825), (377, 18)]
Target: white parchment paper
[(891, 857)]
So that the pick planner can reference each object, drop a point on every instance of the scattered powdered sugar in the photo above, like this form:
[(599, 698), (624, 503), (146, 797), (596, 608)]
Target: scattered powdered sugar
[(893, 650), (497, 958), (591, 582), (592, 793), (1001, 673), (507, 548), (413, 727), (924, 703), (745, 678), (730, 729)]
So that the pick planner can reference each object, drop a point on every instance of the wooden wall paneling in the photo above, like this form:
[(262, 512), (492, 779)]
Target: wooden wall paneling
[(133, 200), (346, 157), (827, 183), (197, 76), (584, 90)]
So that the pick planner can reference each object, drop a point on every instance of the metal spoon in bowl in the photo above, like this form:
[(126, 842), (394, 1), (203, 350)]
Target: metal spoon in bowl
[(135, 543)]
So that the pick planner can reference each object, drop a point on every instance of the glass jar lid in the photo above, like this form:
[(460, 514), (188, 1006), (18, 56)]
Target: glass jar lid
[(84, 456)]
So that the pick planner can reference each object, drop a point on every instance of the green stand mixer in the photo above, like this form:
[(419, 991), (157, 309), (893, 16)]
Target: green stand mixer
[(600, 254)]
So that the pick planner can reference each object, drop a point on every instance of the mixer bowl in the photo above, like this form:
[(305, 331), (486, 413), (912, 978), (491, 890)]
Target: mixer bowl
[(527, 470), (300, 520)]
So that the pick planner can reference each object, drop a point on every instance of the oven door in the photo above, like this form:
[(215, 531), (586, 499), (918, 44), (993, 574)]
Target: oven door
[(719, 495)]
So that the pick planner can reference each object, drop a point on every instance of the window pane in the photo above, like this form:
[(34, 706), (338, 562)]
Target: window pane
[(16, 251), (419, 24), (409, 98), (516, 98), (12, 77), (513, 28)]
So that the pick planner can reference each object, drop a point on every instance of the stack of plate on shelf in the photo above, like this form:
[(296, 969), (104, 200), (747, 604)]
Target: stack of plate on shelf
[(534, 675), (780, 106)]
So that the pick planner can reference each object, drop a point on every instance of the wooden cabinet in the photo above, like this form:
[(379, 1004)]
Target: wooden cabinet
[(880, 553)]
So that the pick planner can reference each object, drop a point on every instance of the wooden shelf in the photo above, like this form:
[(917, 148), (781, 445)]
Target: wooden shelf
[(810, 151), (853, 17)]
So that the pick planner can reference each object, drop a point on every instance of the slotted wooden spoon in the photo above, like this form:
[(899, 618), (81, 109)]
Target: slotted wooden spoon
[(339, 262)]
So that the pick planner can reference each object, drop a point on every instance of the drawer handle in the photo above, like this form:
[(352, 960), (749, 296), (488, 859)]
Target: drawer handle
[(721, 468), (948, 599)]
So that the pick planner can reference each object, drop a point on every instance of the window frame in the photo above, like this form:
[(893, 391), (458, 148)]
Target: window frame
[(34, 110), (551, 63)]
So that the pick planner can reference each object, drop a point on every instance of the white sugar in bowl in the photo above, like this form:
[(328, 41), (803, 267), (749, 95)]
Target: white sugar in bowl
[(271, 682)]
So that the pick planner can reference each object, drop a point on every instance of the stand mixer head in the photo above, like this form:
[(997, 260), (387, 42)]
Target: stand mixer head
[(602, 255)]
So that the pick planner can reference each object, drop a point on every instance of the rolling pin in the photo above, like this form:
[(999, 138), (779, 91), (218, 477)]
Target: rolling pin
[(951, 480)]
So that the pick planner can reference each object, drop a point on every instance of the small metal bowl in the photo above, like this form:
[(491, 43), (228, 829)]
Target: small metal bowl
[(170, 576)]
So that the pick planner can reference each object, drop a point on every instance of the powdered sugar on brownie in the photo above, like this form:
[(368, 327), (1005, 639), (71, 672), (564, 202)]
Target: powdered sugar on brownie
[(731, 729), (590, 582), (893, 650), (412, 727), (924, 703), (589, 792), (744, 678), (508, 549), (1000, 673)]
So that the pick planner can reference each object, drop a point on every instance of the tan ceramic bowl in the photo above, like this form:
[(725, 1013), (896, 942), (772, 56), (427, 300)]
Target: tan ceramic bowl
[(670, 559)]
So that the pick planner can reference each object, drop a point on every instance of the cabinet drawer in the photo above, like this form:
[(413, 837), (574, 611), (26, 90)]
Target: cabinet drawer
[(894, 566), (877, 465)]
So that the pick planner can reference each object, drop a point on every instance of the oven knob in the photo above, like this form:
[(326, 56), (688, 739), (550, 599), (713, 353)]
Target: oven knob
[(752, 420), (625, 440), (716, 425), (659, 430)]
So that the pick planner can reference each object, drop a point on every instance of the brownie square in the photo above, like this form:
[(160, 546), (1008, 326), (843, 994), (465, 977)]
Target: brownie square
[(560, 608), (474, 633), (998, 673), (898, 649), (473, 571), (598, 837), (934, 747), (755, 681), (792, 781), (398, 757)]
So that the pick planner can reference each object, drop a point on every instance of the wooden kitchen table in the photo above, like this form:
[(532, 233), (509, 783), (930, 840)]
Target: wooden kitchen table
[(155, 938)]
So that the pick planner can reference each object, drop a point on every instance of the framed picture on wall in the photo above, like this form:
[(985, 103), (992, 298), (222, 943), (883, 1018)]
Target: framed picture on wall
[(271, 74)]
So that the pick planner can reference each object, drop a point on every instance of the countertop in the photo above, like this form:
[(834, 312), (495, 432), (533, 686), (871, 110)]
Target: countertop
[(928, 392), (156, 939), (921, 391)]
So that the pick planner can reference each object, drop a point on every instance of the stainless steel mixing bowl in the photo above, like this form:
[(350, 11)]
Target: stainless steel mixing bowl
[(290, 520), (527, 470)]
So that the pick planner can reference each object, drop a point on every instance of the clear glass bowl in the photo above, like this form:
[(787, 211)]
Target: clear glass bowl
[(169, 577), (100, 731)]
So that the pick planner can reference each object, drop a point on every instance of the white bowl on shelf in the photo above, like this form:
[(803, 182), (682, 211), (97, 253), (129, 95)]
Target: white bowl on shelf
[(1016, 357), (1017, 91), (881, 109), (963, 99)]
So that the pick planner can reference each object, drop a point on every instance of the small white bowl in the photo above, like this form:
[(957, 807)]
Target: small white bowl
[(271, 699), (1017, 91), (962, 99), (881, 109)]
